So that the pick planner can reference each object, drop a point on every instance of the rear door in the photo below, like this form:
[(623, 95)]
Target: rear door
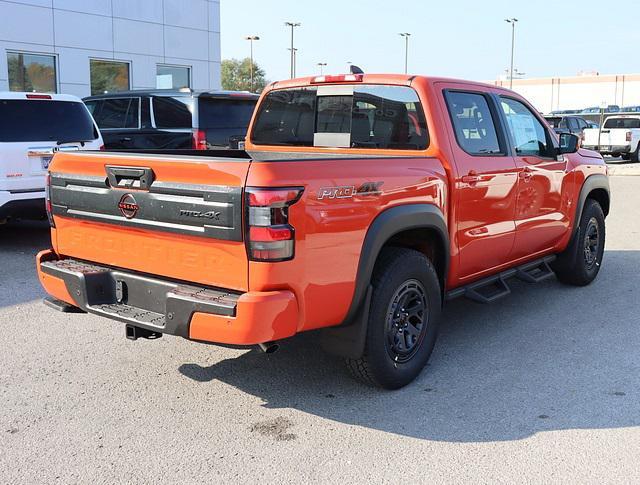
[(486, 182), (119, 120), (172, 118), (542, 211)]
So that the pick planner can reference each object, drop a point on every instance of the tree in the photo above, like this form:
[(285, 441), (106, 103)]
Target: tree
[(236, 75)]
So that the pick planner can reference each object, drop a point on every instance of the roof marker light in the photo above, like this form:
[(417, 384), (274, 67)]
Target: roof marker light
[(341, 78)]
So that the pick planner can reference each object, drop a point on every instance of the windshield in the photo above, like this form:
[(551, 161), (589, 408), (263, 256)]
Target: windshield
[(44, 120), (622, 123), (342, 116)]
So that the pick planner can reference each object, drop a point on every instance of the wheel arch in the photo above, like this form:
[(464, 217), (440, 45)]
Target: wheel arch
[(399, 226)]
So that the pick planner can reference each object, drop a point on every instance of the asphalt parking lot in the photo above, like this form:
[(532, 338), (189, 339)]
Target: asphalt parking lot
[(543, 386)]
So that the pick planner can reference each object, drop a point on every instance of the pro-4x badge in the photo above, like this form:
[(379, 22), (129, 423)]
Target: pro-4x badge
[(349, 191), (212, 215)]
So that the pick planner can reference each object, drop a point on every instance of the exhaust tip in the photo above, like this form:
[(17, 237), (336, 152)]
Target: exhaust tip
[(269, 347)]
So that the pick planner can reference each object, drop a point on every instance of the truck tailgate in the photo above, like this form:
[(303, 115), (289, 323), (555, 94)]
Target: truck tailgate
[(178, 217), (614, 137)]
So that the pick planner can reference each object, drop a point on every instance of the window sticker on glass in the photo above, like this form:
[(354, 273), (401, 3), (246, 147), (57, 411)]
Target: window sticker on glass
[(524, 132), (528, 134)]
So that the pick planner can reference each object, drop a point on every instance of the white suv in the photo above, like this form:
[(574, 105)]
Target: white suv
[(33, 127)]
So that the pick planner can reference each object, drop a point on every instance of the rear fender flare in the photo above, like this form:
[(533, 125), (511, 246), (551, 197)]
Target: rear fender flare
[(348, 338)]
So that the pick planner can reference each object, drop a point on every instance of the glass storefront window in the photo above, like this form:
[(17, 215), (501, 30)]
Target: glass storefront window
[(32, 72), (108, 76), (172, 77)]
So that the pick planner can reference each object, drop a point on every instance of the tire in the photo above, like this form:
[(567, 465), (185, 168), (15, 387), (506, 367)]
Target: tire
[(627, 156), (635, 156), (580, 263), (399, 342)]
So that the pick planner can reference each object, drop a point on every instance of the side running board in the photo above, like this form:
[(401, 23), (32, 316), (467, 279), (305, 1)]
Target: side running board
[(494, 287)]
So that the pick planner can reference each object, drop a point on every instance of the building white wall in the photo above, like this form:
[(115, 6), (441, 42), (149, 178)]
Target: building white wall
[(142, 32), (579, 92)]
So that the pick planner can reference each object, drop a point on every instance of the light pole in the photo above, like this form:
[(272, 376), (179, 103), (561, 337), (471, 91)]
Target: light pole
[(512, 21), (295, 57), (322, 66), (251, 38), (293, 25), (406, 36)]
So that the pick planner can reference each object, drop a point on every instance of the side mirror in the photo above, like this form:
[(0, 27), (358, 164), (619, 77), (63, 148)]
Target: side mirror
[(569, 143)]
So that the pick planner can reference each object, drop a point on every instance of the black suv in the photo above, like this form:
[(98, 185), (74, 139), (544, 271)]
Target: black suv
[(172, 119)]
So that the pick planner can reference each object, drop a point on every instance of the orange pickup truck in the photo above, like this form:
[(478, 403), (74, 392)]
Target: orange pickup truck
[(361, 205)]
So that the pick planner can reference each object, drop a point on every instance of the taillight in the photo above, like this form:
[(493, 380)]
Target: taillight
[(628, 136), (38, 96), (200, 140), (102, 148), (270, 236), (47, 199)]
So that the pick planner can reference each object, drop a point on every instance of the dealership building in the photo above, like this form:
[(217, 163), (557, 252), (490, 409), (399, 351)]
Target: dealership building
[(578, 92), (85, 47)]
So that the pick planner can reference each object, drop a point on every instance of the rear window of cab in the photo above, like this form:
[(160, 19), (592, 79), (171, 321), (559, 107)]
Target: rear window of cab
[(625, 123), (342, 116)]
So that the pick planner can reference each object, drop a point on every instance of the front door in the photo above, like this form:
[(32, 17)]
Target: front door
[(486, 183), (542, 207)]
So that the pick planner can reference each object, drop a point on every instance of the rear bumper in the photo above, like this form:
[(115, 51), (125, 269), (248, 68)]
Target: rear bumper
[(607, 149), (164, 306), (27, 205)]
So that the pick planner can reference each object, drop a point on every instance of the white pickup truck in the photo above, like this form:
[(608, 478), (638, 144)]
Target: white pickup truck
[(620, 136)]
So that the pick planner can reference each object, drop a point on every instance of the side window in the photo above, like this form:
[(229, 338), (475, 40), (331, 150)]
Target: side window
[(573, 124), (582, 124), (473, 123), (133, 114), (172, 112), (116, 113), (563, 123), (388, 117), (527, 133)]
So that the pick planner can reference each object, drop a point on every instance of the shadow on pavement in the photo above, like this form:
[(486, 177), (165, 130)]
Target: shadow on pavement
[(549, 357), (19, 244)]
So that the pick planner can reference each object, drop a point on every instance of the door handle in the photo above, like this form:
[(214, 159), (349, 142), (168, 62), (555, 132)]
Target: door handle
[(130, 177), (126, 138), (471, 178)]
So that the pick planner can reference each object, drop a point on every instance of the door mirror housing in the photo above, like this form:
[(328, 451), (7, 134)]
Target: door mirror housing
[(569, 143)]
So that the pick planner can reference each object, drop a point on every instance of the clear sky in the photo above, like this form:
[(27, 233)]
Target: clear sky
[(457, 38)]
